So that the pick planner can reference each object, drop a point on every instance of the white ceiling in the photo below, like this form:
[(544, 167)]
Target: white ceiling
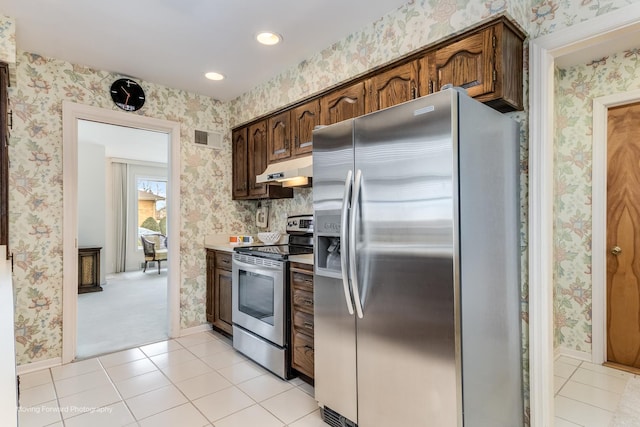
[(174, 42), (125, 143)]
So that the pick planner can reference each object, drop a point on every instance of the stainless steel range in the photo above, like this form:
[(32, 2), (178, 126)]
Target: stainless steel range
[(259, 294)]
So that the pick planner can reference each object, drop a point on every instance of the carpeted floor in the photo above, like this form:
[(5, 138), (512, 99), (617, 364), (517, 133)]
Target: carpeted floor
[(130, 311), (628, 413)]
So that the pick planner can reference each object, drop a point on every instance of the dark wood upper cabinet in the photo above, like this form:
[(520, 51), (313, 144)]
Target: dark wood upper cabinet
[(342, 104), (257, 157), (279, 137), (392, 87), (4, 156), (249, 154), (240, 188), (488, 64), (303, 119), (487, 61)]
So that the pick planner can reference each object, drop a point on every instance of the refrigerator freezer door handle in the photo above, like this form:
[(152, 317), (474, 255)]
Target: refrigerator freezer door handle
[(344, 250), (355, 203)]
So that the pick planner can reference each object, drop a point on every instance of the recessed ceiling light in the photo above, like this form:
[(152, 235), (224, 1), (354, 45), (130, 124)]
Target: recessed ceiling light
[(269, 38), (214, 76)]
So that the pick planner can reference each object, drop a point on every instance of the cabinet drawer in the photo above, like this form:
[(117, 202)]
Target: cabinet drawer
[(303, 354), (223, 260), (303, 322), (303, 299), (302, 280)]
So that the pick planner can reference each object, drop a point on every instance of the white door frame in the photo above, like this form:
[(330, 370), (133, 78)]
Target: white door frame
[(71, 113), (543, 52), (599, 227)]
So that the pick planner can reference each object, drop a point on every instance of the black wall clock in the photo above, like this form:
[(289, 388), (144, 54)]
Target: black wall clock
[(127, 94)]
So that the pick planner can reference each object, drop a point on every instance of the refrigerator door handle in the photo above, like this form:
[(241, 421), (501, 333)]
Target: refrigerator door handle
[(355, 203), (344, 250)]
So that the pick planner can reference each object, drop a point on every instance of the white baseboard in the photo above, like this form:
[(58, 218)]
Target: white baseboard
[(194, 330), (37, 366), (574, 354)]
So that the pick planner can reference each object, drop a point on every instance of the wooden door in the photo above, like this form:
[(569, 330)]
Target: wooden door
[(304, 118), (239, 152), (279, 137), (623, 235), (395, 86), (257, 157), (342, 104), (468, 63)]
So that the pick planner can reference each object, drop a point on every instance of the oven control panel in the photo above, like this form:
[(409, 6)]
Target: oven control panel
[(300, 223)]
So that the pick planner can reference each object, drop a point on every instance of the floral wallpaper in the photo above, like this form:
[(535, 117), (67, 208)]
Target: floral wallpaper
[(7, 40), (576, 87), (548, 16), (36, 191)]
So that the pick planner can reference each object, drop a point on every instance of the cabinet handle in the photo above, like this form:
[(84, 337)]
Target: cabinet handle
[(413, 92), (308, 301), (280, 151), (308, 348), (11, 119), (306, 144)]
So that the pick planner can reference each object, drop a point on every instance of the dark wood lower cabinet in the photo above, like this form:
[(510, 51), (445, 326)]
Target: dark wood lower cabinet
[(302, 354), (219, 291), (89, 269)]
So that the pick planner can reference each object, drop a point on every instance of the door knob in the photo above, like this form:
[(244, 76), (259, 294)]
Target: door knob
[(616, 250)]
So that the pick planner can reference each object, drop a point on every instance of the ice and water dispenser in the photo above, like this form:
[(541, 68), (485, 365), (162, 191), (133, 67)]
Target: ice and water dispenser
[(327, 246)]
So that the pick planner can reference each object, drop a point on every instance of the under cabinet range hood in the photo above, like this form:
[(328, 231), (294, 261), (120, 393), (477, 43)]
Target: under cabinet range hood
[(291, 173)]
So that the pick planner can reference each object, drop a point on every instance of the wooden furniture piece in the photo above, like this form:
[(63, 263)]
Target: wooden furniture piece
[(155, 249), (219, 291), (302, 354), (486, 60), (4, 156), (89, 269)]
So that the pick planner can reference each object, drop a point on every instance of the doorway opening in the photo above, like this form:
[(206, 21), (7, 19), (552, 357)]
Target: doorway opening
[(122, 195), (73, 117)]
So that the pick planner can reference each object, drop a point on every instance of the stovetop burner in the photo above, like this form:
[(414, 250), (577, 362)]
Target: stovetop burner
[(280, 252)]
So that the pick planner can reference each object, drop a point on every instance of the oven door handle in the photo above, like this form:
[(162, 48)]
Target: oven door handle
[(260, 269), (344, 241)]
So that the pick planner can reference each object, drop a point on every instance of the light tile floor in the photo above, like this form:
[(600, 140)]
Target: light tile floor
[(197, 380), (586, 395)]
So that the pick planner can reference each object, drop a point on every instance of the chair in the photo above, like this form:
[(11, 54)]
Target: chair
[(155, 249)]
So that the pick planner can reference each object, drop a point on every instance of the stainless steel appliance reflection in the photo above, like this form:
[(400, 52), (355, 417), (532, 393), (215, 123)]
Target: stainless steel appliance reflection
[(416, 284), (259, 296)]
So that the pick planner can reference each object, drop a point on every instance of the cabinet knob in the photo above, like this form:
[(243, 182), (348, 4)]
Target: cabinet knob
[(616, 250)]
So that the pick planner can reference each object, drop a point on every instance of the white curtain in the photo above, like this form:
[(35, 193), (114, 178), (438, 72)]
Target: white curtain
[(120, 214)]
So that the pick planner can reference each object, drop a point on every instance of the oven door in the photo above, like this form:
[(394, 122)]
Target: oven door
[(258, 287)]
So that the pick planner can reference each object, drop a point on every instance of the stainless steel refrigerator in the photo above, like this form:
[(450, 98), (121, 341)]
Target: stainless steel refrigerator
[(416, 277)]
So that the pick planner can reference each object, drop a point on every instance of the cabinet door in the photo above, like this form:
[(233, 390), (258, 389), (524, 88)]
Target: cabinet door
[(222, 300), (240, 174), (467, 63), (257, 157), (211, 266), (342, 104), (303, 119), (279, 137), (392, 87)]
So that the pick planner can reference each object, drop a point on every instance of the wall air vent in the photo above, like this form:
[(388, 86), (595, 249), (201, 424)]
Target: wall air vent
[(208, 139)]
